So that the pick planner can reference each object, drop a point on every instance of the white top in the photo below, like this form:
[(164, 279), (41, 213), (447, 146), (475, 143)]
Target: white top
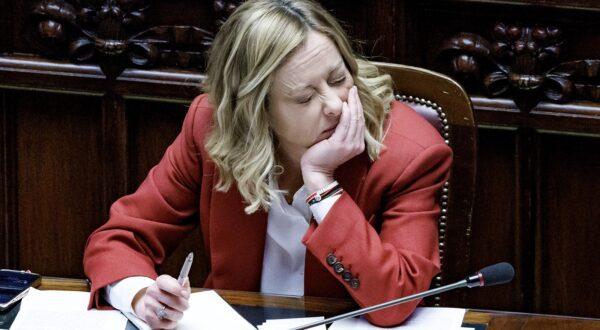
[(283, 262)]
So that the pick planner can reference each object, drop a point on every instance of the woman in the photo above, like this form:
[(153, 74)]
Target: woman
[(308, 178)]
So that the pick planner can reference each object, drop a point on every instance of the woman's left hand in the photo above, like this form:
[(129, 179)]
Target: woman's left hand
[(348, 140)]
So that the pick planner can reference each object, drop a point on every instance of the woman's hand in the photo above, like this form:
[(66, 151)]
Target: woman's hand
[(348, 140), (165, 292)]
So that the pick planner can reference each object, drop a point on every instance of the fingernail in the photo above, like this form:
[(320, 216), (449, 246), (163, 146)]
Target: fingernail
[(184, 293)]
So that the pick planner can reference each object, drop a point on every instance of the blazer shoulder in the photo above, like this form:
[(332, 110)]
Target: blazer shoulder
[(406, 124), (199, 119), (407, 132), (411, 146)]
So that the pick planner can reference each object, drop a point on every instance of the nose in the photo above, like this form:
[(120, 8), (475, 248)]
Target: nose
[(332, 103)]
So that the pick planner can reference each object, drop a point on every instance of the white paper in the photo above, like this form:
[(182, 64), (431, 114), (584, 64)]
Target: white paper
[(431, 318), (209, 311), (63, 310), (285, 324), (67, 310)]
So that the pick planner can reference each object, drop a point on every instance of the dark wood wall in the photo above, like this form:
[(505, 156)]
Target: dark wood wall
[(85, 115)]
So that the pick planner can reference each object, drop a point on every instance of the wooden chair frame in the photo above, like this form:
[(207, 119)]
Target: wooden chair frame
[(445, 104)]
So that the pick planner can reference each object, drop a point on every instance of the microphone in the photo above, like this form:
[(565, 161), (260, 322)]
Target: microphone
[(499, 273)]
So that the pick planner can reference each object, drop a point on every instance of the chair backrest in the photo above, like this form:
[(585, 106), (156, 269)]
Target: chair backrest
[(444, 103)]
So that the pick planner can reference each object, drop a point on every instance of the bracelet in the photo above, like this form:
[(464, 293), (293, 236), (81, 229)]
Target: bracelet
[(331, 189), (321, 191)]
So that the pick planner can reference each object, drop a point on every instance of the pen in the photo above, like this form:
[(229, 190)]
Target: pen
[(185, 269)]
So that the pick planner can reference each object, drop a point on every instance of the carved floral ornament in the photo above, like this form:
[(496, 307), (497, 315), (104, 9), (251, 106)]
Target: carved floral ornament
[(113, 34), (521, 60)]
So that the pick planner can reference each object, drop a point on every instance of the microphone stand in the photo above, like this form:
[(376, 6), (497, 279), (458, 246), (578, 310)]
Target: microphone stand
[(471, 281)]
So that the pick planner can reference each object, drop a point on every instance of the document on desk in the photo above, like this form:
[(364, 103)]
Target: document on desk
[(209, 311), (430, 318), (67, 310), (63, 310)]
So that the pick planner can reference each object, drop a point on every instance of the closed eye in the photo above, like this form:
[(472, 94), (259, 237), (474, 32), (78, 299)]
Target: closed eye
[(304, 100), (338, 81)]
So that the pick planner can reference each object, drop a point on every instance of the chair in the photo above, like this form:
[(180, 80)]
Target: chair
[(445, 104)]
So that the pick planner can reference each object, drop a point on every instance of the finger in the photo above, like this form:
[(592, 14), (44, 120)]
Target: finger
[(169, 284), (168, 314), (353, 124), (359, 107), (363, 128), (361, 118), (174, 302), (159, 318), (341, 129)]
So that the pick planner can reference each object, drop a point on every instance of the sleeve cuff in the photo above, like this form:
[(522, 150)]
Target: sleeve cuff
[(120, 294), (320, 209)]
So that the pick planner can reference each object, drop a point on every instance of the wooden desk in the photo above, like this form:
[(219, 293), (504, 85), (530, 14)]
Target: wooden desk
[(493, 320)]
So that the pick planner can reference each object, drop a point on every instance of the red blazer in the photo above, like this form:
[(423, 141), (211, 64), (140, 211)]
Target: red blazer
[(383, 229)]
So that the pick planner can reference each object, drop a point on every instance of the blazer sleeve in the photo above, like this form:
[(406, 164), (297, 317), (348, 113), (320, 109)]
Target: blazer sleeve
[(403, 257), (144, 227)]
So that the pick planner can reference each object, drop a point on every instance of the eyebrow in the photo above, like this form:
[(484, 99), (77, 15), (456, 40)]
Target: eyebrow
[(303, 87)]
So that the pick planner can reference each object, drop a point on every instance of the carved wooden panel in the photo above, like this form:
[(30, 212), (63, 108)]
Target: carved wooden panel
[(6, 24), (9, 229), (59, 178), (522, 60), (566, 235), (115, 34), (497, 218)]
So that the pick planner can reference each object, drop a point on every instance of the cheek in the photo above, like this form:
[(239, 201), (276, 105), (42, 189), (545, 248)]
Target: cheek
[(276, 121), (350, 81), (280, 126), (287, 123)]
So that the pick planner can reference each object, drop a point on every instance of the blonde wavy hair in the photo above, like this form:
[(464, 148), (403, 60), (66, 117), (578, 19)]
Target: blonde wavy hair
[(251, 45)]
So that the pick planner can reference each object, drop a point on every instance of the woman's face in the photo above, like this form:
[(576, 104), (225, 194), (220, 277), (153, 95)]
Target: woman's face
[(305, 101)]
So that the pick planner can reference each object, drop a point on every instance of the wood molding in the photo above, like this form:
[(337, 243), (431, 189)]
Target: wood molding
[(35, 73)]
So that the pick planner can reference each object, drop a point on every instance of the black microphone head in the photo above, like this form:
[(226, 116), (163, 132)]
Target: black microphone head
[(499, 273)]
